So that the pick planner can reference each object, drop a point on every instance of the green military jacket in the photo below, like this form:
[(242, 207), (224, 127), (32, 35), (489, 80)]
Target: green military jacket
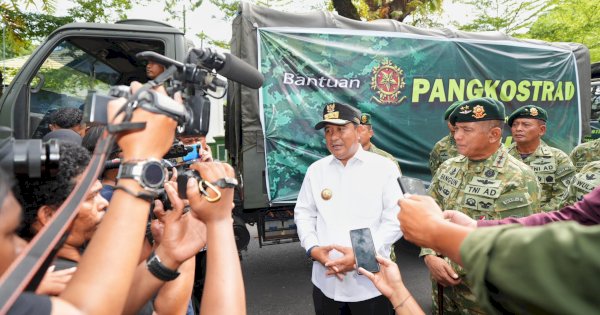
[(553, 169), (585, 153), (582, 183), (442, 151), (495, 188), (377, 150), (534, 270)]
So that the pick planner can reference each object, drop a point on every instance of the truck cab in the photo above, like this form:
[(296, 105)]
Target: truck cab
[(77, 58)]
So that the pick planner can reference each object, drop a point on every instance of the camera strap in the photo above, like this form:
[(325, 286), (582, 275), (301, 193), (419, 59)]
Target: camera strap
[(27, 270)]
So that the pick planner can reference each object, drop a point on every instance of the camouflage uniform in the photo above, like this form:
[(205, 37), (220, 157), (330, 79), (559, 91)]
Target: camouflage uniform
[(442, 151), (554, 170), (582, 183), (378, 151), (495, 188), (585, 153)]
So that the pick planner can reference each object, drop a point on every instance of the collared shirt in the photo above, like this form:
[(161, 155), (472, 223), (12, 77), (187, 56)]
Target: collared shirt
[(376, 150), (553, 169), (364, 194)]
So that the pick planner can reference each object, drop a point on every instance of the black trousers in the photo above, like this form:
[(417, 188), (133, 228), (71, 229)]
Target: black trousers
[(379, 305)]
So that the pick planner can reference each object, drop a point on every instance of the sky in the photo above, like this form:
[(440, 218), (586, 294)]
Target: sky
[(208, 19)]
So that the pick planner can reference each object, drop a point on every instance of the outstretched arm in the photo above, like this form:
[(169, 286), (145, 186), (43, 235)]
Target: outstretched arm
[(106, 270), (224, 286), (422, 223)]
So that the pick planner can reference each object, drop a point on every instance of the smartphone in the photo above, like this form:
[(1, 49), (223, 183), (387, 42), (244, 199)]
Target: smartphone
[(364, 249), (413, 186)]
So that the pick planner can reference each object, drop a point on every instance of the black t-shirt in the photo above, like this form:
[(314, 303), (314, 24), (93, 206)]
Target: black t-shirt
[(31, 304)]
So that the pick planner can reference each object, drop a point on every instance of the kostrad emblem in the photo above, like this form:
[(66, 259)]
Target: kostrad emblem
[(387, 81)]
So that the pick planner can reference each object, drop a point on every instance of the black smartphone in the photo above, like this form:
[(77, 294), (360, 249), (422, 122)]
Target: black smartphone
[(411, 185), (364, 249)]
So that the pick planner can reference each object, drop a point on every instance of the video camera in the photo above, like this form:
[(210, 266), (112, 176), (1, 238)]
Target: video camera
[(194, 78), (31, 158)]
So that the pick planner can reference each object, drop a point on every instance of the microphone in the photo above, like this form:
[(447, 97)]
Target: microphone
[(229, 66), (112, 164)]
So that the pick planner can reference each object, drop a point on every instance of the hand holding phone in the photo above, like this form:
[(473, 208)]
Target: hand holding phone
[(364, 249)]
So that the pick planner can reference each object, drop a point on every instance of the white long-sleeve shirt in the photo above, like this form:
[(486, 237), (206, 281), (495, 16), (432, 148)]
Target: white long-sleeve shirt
[(365, 194)]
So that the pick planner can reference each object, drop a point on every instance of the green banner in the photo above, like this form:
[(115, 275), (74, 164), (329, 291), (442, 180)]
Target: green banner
[(406, 82)]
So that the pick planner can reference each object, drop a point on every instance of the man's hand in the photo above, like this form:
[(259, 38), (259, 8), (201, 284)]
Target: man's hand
[(388, 280), (419, 217), (218, 210), (54, 282), (340, 266), (441, 271), (459, 218), (159, 128), (321, 254), (182, 235)]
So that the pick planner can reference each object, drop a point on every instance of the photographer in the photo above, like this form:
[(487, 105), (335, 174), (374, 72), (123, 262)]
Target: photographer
[(41, 197), (107, 268)]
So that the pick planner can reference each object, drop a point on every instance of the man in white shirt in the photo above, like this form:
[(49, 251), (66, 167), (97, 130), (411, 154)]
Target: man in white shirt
[(349, 189)]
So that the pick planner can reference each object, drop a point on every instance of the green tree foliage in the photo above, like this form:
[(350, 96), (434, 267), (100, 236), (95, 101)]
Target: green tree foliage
[(507, 16), (24, 29), (230, 7), (571, 21), (397, 10)]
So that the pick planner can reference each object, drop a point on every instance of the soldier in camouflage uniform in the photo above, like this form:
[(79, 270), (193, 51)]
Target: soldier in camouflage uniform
[(366, 133), (446, 147), (585, 153), (484, 182), (552, 166), (582, 183)]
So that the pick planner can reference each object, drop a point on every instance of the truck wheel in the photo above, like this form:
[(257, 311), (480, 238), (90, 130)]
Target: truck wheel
[(241, 233)]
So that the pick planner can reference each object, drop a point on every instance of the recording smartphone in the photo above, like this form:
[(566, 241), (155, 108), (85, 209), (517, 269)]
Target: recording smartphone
[(364, 249), (413, 186)]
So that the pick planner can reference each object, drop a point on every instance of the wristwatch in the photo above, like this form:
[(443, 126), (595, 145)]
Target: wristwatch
[(150, 173), (159, 270)]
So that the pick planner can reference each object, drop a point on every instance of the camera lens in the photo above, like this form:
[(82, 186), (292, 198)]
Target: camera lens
[(30, 157)]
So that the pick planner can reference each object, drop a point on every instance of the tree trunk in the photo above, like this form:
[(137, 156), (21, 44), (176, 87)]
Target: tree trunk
[(346, 8)]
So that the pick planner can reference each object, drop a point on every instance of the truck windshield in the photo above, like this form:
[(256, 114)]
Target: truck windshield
[(79, 65), (66, 76)]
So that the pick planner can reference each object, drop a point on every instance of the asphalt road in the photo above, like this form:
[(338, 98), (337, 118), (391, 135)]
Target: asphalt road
[(277, 278)]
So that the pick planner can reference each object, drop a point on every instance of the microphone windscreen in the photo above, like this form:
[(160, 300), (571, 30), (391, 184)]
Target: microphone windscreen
[(239, 71)]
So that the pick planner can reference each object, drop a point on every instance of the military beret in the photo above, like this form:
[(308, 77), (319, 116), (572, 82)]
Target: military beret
[(478, 109), (338, 114), (528, 111), (365, 119), (450, 109)]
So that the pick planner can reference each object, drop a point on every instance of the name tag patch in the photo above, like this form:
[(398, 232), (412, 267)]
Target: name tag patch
[(450, 178)]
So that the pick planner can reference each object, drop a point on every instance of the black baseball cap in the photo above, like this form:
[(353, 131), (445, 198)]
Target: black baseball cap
[(338, 114)]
